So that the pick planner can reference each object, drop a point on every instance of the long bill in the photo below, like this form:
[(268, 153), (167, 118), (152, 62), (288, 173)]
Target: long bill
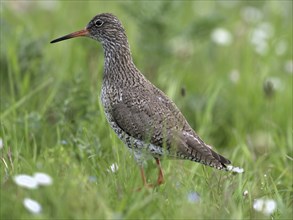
[(81, 33)]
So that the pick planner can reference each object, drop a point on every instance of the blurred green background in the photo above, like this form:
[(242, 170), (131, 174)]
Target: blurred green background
[(226, 64)]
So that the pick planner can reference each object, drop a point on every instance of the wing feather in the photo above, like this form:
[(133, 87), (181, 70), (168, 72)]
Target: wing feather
[(150, 116)]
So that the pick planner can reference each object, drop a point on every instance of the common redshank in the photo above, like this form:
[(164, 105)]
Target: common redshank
[(142, 116)]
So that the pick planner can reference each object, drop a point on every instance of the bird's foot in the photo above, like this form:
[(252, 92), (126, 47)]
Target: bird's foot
[(146, 186), (149, 186), (160, 179)]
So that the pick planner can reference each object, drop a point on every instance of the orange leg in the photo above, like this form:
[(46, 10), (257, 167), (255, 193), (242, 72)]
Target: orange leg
[(143, 176), (160, 179), (145, 184)]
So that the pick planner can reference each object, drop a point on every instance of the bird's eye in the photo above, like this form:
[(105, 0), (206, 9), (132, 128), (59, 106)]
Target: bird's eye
[(99, 23)]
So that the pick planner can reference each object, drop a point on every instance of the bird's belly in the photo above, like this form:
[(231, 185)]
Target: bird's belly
[(133, 143), (141, 149)]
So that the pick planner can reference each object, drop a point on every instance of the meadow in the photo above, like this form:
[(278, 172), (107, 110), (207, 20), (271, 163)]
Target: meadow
[(227, 65)]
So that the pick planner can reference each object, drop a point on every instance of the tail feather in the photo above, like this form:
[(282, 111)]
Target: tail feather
[(224, 161), (191, 147)]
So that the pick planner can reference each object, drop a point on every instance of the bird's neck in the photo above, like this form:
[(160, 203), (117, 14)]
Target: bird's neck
[(118, 65), (117, 55)]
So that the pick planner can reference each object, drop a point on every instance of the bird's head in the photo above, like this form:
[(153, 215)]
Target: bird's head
[(103, 27)]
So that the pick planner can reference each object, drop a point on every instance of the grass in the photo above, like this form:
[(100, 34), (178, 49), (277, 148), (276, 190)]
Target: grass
[(237, 99)]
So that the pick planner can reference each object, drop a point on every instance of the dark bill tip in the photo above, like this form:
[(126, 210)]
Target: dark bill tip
[(81, 33)]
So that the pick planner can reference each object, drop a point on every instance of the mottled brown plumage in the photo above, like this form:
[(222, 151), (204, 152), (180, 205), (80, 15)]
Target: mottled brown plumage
[(142, 116)]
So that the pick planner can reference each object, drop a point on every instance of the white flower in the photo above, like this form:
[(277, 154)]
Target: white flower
[(258, 205), (26, 181), (289, 66), (261, 47), (221, 36), (267, 28), (275, 82), (43, 179), (234, 76), (270, 206), (92, 179), (32, 206), (32, 182), (113, 168), (259, 37), (266, 206), (235, 169), (245, 193), (63, 142), (193, 197)]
